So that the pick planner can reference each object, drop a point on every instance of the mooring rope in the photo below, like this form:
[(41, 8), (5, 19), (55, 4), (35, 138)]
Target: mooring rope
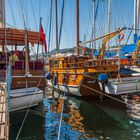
[(27, 112), (107, 95), (61, 115)]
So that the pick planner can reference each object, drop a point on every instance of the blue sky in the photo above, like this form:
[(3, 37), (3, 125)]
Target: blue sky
[(122, 15)]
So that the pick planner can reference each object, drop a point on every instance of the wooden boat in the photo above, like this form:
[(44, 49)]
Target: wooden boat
[(25, 97), (75, 72), (26, 73), (78, 74)]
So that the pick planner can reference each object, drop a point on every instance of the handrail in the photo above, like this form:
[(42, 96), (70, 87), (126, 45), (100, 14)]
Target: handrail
[(87, 63)]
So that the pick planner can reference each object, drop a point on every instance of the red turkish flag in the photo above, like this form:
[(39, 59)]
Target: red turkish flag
[(42, 38)]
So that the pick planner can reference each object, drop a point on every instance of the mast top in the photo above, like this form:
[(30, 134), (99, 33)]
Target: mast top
[(77, 26), (2, 13)]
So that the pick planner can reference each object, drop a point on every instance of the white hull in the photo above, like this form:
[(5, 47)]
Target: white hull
[(74, 89), (125, 86), (24, 98)]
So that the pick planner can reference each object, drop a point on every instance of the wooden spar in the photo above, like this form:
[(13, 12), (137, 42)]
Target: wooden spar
[(38, 38), (77, 26), (138, 14), (2, 13), (26, 54), (56, 20), (109, 16), (135, 16), (100, 37), (94, 22), (2, 18)]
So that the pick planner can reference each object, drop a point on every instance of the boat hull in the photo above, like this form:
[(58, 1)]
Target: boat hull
[(24, 98), (71, 89), (87, 87), (36, 79)]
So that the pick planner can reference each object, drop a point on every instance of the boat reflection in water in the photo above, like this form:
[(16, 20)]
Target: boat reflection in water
[(82, 119), (133, 107), (89, 120)]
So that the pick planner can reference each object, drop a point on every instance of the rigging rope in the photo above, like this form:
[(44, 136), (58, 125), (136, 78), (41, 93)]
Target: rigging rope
[(128, 38), (23, 17), (61, 23), (95, 17), (50, 26), (107, 95), (27, 111), (61, 115), (12, 13), (34, 14), (132, 28)]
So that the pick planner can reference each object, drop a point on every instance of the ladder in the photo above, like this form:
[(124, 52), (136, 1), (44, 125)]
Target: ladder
[(4, 115)]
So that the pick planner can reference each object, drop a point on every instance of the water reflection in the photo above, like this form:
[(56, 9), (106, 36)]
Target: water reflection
[(82, 119), (33, 128), (133, 107), (89, 120)]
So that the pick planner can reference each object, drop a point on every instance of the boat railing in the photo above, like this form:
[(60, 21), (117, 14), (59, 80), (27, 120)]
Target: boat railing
[(130, 62), (2, 75), (33, 65), (126, 80), (95, 63), (86, 63)]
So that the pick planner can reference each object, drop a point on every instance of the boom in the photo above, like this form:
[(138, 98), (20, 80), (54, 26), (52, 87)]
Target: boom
[(136, 52), (107, 38)]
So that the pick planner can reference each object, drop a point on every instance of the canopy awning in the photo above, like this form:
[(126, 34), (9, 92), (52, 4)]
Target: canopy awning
[(17, 37)]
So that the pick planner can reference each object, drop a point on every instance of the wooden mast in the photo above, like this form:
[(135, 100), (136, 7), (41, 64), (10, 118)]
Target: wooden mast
[(56, 20), (138, 14), (135, 16), (77, 26), (2, 13), (109, 16), (26, 54), (2, 18), (94, 23)]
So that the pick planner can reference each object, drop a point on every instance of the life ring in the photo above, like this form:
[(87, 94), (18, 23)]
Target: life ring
[(120, 36)]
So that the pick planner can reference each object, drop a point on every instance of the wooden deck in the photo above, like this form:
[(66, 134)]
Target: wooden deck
[(4, 115)]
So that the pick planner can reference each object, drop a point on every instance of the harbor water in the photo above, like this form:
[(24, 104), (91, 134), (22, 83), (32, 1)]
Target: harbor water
[(82, 119)]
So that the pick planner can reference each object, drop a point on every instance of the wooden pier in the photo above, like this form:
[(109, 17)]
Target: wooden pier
[(4, 114)]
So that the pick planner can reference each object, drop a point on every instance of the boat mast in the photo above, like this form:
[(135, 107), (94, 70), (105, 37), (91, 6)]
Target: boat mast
[(109, 16), (138, 13), (26, 54), (2, 17), (56, 20), (77, 26), (94, 22), (2, 13), (135, 17)]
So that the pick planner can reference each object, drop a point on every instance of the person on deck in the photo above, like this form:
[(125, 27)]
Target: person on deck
[(13, 58)]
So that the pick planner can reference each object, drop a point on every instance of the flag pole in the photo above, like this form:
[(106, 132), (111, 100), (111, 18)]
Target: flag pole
[(39, 38)]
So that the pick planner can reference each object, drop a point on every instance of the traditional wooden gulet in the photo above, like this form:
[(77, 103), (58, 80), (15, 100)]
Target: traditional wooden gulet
[(87, 75), (28, 76)]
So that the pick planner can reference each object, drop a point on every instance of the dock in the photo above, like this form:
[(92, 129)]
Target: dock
[(4, 115)]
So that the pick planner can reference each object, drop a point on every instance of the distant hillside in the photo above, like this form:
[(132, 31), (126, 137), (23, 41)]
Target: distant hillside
[(66, 50), (82, 51)]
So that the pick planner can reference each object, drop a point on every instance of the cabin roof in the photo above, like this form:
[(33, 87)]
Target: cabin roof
[(17, 37), (60, 56)]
